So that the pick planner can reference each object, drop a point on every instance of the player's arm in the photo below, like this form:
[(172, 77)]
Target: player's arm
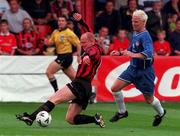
[(147, 53), (50, 41), (74, 40), (133, 55), (78, 17), (91, 55)]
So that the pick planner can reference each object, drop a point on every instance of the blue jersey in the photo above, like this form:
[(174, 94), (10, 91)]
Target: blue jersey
[(142, 43)]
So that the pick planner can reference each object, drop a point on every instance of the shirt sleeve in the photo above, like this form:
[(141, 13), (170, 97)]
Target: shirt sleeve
[(148, 47)]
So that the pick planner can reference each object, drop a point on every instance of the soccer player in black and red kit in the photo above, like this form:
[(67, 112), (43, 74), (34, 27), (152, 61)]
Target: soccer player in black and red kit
[(79, 90)]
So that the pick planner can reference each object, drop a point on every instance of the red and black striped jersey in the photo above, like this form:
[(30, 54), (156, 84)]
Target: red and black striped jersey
[(28, 40), (87, 72)]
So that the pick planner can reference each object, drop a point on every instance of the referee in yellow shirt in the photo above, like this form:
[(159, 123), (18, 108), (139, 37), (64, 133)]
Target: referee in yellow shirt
[(63, 39)]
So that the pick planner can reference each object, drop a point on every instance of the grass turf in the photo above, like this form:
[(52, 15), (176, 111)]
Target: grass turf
[(138, 123)]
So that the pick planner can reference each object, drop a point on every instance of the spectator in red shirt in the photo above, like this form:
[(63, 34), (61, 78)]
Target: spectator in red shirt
[(7, 40), (161, 46), (28, 40), (120, 43)]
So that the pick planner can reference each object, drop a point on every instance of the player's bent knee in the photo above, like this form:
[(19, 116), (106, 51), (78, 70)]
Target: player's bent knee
[(114, 89), (49, 74), (148, 101)]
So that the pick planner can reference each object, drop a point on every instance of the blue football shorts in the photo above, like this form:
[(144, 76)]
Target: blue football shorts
[(143, 79)]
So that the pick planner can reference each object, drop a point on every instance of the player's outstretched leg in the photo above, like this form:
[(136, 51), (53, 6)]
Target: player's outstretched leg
[(29, 118)]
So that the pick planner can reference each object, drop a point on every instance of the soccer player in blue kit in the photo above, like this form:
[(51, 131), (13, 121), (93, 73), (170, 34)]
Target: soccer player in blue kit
[(140, 71)]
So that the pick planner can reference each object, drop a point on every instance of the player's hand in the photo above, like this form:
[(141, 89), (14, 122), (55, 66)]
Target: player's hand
[(77, 16), (127, 53), (86, 60), (115, 53)]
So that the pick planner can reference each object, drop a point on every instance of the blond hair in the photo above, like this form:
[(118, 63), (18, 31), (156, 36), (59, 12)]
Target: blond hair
[(141, 14)]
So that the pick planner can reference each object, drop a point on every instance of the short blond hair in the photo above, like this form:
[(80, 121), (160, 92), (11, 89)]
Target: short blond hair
[(141, 14)]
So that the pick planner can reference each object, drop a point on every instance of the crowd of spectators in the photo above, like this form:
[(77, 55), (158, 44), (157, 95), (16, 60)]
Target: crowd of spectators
[(163, 23), (19, 34)]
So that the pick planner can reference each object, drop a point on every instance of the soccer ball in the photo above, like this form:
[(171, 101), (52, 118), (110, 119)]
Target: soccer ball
[(43, 118)]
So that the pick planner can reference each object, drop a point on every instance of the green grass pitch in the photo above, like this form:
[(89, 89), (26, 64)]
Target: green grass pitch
[(138, 123)]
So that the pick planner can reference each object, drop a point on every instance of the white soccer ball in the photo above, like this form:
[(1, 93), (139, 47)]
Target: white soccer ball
[(43, 118)]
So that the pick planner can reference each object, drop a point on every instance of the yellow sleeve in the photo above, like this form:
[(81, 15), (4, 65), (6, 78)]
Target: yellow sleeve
[(73, 39), (52, 38)]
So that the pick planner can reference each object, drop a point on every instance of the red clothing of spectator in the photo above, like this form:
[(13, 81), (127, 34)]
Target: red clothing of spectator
[(162, 48), (28, 41), (119, 45), (7, 44)]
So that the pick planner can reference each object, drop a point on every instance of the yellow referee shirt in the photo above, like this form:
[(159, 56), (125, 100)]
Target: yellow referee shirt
[(63, 40)]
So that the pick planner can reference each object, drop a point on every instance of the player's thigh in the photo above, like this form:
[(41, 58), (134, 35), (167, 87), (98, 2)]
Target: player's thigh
[(62, 95), (145, 82), (53, 67), (73, 110), (70, 72), (118, 85)]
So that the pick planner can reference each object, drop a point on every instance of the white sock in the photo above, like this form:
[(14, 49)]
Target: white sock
[(157, 106), (120, 101)]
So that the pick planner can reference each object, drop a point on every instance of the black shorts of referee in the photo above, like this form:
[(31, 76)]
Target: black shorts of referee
[(65, 60)]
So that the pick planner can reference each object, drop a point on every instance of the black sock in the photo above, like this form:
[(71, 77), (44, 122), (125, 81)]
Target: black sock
[(48, 106), (53, 82), (84, 119)]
